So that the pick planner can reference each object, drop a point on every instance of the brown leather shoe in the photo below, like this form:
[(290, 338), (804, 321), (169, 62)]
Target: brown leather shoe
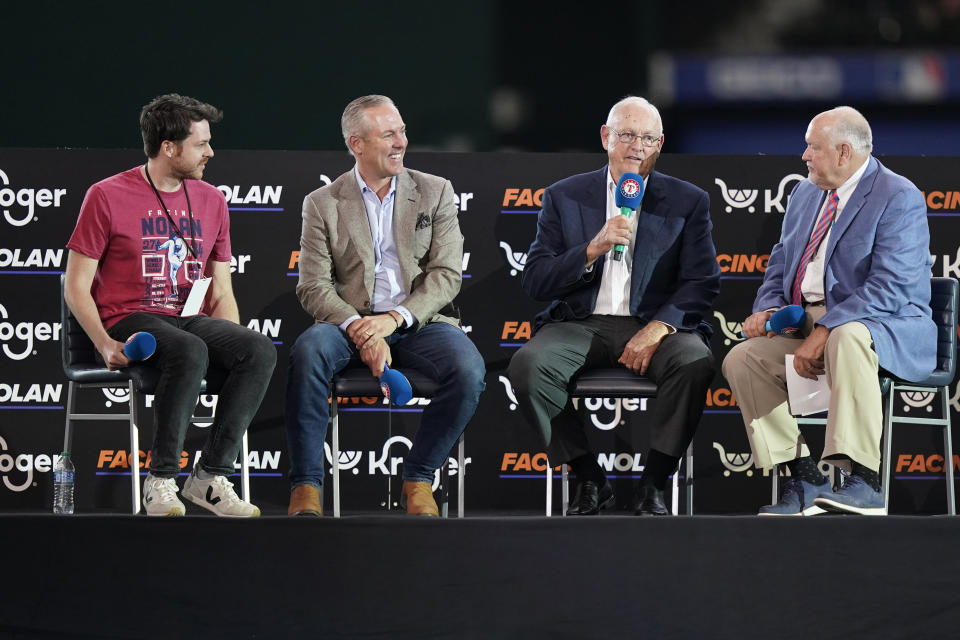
[(418, 498), (305, 501)]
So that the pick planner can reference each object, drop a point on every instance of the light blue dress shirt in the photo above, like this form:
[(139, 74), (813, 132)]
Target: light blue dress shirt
[(388, 293)]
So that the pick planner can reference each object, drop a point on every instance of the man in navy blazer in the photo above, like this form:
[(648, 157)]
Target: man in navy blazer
[(854, 251), (645, 312)]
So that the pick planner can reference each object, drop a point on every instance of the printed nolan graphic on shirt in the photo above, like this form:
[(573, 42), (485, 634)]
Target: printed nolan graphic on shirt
[(167, 265)]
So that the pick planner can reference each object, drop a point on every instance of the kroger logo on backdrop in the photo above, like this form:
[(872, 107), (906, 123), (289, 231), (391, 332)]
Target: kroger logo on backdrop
[(18, 339), (738, 197), (384, 462), (730, 330), (516, 259), (19, 205), (945, 265), (20, 467), (605, 413), (917, 401)]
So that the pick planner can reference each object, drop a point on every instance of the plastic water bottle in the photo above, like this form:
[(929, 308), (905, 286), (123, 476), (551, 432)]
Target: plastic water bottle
[(63, 472)]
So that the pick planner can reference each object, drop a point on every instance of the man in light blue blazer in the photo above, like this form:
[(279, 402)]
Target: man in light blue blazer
[(854, 251), (644, 312)]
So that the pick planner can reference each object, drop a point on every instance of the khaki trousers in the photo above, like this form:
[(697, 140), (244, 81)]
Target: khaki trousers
[(756, 372)]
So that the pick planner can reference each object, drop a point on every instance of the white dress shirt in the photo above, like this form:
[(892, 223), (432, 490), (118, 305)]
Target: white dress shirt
[(613, 299)]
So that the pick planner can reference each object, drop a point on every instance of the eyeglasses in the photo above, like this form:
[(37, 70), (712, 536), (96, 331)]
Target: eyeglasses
[(627, 138)]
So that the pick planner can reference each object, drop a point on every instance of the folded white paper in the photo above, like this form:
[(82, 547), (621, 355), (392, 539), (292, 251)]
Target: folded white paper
[(806, 396)]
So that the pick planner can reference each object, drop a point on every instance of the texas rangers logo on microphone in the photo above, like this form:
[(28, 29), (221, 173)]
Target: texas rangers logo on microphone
[(629, 188)]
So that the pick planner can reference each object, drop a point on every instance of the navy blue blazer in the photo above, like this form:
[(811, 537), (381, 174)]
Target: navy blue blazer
[(674, 276)]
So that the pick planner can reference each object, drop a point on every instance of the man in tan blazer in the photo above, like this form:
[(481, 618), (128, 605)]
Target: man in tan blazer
[(380, 257)]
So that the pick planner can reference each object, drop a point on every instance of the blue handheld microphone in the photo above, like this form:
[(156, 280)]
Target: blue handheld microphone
[(395, 387), (140, 346), (629, 195), (789, 318)]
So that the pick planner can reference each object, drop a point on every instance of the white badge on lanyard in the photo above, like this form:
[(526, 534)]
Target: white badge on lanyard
[(198, 292)]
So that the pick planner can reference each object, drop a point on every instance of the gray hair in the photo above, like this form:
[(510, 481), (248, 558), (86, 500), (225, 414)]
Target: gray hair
[(351, 122), (850, 126), (635, 101)]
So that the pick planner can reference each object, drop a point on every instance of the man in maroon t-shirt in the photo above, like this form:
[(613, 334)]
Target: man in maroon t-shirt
[(144, 238)]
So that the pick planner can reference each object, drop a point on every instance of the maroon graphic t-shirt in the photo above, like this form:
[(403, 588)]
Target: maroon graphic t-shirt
[(145, 264)]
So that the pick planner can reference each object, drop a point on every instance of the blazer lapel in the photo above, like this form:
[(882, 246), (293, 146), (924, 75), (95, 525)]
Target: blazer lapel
[(856, 201), (406, 203), (352, 212), (654, 209), (593, 206)]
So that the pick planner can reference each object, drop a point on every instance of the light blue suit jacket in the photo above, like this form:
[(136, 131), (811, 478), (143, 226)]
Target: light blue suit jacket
[(877, 267)]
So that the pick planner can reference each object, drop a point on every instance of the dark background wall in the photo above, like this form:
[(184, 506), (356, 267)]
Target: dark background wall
[(734, 77)]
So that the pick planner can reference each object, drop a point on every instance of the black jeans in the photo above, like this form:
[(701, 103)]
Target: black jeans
[(185, 349)]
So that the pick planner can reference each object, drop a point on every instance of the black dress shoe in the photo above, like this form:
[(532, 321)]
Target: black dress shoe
[(588, 499), (650, 502)]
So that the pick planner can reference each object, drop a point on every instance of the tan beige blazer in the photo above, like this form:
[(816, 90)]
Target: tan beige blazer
[(336, 249)]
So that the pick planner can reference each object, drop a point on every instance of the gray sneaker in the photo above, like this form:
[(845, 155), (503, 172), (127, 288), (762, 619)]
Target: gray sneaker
[(160, 497), (796, 499), (217, 495), (855, 496)]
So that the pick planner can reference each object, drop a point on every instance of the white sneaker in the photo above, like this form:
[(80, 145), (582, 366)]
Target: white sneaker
[(217, 495), (160, 497)]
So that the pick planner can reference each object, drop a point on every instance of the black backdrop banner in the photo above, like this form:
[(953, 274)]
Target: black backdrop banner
[(498, 195)]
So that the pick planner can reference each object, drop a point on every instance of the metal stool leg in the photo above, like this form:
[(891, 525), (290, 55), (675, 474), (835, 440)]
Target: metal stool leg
[(549, 489), (445, 488), (564, 488), (335, 454), (134, 458), (948, 451), (887, 445), (389, 465), (462, 475), (675, 499), (245, 468)]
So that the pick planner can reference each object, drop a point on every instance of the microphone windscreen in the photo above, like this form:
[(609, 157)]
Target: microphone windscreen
[(790, 317), (629, 191), (395, 386), (140, 346)]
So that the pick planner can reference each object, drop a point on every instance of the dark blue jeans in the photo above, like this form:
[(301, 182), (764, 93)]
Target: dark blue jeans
[(186, 347), (438, 351)]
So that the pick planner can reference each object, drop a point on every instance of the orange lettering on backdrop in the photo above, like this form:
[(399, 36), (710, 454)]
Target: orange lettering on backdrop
[(917, 465), (523, 462), (902, 461), (119, 460)]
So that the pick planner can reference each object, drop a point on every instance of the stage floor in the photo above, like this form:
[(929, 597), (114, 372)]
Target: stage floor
[(389, 576)]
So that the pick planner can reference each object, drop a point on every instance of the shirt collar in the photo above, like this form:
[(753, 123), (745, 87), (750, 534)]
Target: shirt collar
[(846, 189), (365, 189)]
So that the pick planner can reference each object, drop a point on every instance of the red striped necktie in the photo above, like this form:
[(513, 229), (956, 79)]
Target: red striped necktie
[(819, 232)]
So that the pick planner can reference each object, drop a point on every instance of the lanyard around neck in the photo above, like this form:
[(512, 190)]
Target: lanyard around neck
[(166, 212)]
